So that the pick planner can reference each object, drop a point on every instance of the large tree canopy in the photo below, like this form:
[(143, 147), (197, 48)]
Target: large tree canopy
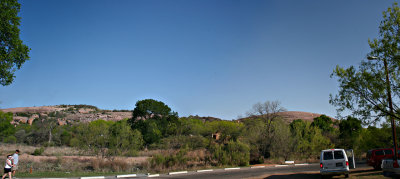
[(13, 53), (363, 90), (150, 107), (153, 119)]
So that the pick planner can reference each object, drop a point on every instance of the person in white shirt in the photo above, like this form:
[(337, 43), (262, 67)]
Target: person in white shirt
[(7, 167), (15, 162)]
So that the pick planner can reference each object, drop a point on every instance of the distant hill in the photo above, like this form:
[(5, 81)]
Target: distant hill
[(68, 114), (208, 118), (290, 116)]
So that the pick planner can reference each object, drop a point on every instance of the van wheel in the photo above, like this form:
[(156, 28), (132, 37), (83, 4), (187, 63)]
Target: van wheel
[(347, 175), (385, 174), (377, 167)]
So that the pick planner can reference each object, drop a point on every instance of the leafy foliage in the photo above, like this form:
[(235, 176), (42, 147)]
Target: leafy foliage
[(13, 53), (363, 90), (154, 120), (323, 122), (6, 128), (150, 107), (234, 153), (350, 130)]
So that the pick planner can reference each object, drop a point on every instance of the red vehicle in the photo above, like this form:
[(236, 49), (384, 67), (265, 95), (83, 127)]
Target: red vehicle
[(375, 157)]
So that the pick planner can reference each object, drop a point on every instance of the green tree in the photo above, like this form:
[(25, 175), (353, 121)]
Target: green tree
[(268, 112), (350, 130), (123, 138), (93, 136), (6, 128), (253, 132), (308, 139), (374, 137), (363, 90), (229, 130), (323, 122), (149, 108), (282, 141), (154, 120), (152, 132), (191, 126), (13, 53)]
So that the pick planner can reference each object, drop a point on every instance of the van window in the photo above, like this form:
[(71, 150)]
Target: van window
[(379, 152), (388, 152), (338, 154), (328, 155), (369, 154)]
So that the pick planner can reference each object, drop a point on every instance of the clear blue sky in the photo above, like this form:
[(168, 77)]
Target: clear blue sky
[(204, 57)]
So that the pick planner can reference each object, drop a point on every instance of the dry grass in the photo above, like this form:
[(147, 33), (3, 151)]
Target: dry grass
[(66, 159), (80, 163), (65, 151), (49, 151), (149, 153), (10, 148)]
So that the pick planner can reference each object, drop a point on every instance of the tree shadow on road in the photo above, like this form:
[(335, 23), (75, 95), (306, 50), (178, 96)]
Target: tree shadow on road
[(360, 173), (294, 176)]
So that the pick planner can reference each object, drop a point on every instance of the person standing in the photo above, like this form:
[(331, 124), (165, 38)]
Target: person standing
[(15, 162), (7, 167)]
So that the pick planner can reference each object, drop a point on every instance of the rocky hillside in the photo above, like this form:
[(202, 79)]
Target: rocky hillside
[(289, 116), (68, 114)]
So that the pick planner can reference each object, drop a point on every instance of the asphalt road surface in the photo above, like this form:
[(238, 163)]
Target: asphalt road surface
[(310, 171), (256, 172)]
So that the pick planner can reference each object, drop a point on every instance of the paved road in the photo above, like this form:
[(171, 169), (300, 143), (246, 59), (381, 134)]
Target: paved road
[(280, 173), (252, 172)]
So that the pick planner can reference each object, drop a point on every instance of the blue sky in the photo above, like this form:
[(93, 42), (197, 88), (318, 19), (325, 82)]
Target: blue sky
[(204, 57)]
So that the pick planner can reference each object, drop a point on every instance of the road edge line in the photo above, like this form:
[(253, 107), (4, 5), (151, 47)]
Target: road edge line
[(210, 170), (281, 165), (153, 175), (126, 176), (95, 177), (175, 173), (236, 168), (258, 167)]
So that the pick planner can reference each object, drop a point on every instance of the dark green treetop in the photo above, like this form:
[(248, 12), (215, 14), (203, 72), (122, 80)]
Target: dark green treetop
[(323, 122), (149, 107)]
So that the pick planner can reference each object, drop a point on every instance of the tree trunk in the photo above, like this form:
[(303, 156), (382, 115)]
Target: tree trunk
[(50, 136)]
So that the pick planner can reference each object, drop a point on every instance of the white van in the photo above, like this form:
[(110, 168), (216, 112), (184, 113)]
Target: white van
[(336, 162)]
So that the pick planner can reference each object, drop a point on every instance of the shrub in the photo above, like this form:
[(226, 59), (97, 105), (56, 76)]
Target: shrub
[(23, 114), (132, 153), (74, 142), (10, 139), (233, 153), (115, 165), (38, 151), (119, 165), (176, 142), (171, 161)]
